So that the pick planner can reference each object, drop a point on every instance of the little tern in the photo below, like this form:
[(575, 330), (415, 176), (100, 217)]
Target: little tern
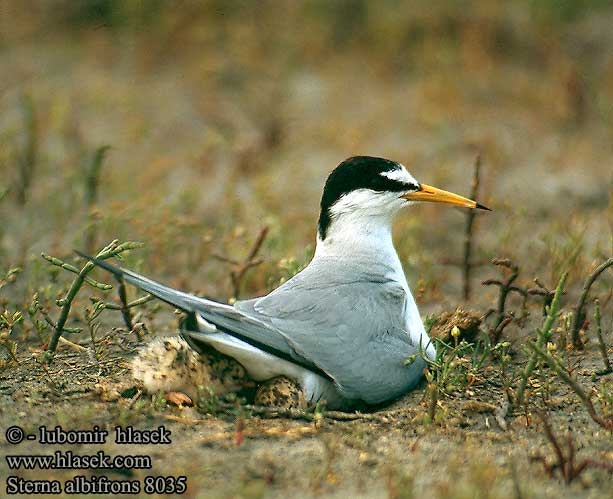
[(344, 327)]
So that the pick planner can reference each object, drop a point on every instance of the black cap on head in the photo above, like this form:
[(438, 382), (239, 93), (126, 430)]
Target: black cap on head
[(358, 172)]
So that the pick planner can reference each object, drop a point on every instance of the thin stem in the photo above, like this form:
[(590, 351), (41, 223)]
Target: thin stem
[(579, 316), (468, 231), (134, 303), (601, 344), (71, 268), (125, 309), (29, 155)]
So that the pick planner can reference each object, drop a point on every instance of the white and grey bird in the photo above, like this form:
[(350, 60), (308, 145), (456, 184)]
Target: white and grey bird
[(344, 327)]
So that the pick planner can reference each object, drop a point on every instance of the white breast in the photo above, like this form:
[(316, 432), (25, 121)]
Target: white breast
[(414, 324)]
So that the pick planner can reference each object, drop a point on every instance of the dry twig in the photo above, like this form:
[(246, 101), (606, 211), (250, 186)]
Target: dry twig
[(72, 345), (239, 270), (541, 290), (502, 318), (432, 403), (467, 264), (125, 308), (28, 158), (565, 460), (92, 181)]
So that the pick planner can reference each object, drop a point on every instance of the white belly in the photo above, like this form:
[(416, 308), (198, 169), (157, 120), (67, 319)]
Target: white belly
[(262, 366)]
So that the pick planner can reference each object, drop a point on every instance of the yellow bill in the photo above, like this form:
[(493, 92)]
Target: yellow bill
[(434, 195)]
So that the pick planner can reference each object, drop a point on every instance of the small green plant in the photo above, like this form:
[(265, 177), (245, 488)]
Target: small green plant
[(501, 352), (579, 313), (207, 401), (10, 276), (543, 335), (91, 314), (601, 344), (158, 401), (456, 367), (8, 322), (605, 397), (433, 394), (554, 363), (125, 308), (114, 249), (39, 325)]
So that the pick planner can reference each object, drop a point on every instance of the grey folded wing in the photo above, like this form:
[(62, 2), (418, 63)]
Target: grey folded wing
[(350, 327)]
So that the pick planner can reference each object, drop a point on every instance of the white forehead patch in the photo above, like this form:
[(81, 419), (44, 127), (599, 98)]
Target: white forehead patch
[(400, 175)]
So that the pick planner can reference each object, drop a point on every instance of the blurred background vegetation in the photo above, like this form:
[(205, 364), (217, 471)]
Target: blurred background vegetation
[(226, 116)]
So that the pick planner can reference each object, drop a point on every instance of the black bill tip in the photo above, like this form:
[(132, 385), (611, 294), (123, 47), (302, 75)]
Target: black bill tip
[(482, 207)]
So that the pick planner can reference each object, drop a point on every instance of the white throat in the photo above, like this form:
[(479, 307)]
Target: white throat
[(361, 225), (357, 236)]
